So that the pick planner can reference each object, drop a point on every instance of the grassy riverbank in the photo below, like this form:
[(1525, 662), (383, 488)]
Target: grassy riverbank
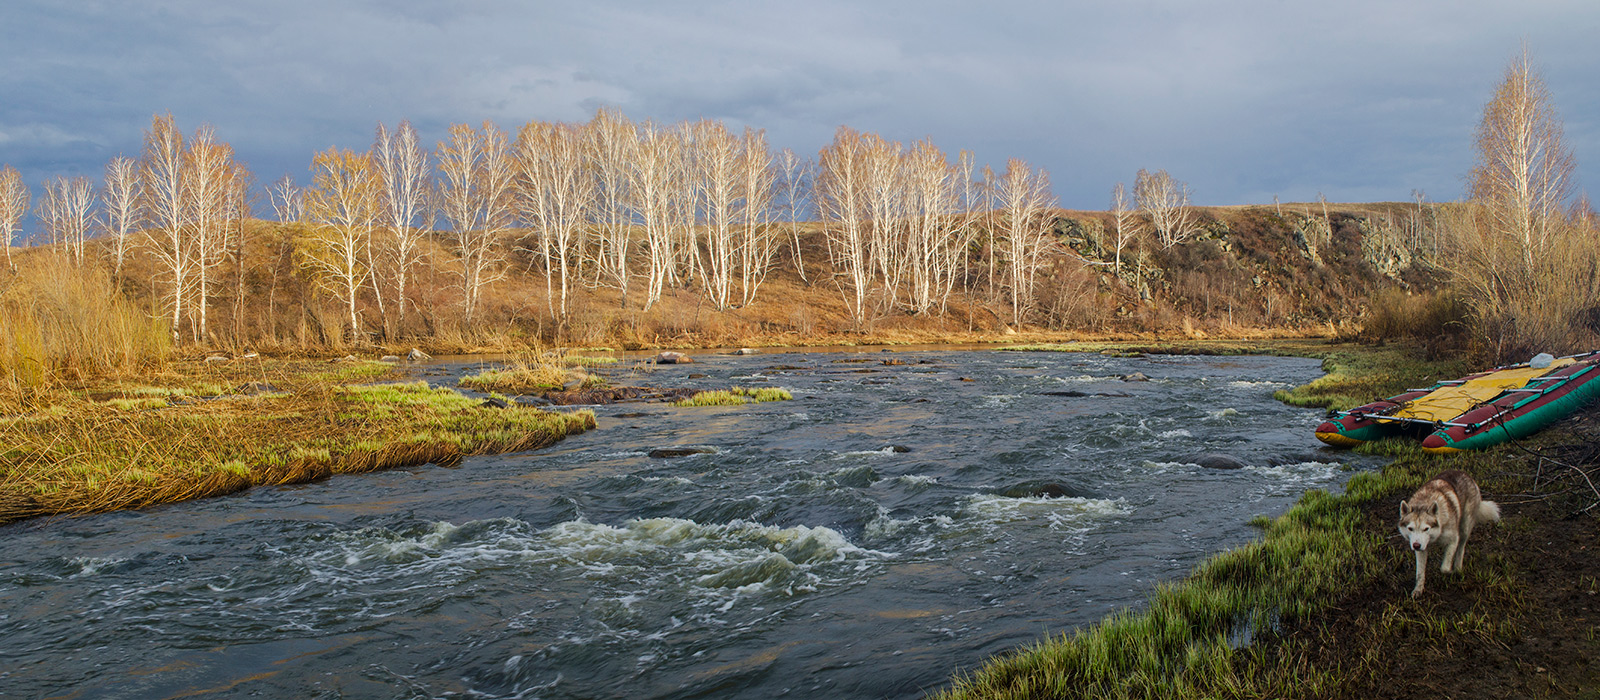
[(207, 429), (1292, 594)]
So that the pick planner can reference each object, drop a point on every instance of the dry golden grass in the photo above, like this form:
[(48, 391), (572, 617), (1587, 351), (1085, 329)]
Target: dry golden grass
[(60, 322), (110, 447)]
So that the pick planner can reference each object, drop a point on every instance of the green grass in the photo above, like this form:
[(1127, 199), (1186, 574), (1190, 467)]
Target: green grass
[(587, 361), (736, 396), (1358, 375)]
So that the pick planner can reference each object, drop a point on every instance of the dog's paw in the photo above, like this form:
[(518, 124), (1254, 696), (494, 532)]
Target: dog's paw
[(1446, 568), (1416, 592)]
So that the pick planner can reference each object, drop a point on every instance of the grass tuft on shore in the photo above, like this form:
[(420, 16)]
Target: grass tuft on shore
[(736, 396), (1358, 375), (539, 376)]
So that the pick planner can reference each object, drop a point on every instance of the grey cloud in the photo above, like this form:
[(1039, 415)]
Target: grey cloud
[(1243, 99)]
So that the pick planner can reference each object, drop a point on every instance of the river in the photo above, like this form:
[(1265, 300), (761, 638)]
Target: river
[(890, 525)]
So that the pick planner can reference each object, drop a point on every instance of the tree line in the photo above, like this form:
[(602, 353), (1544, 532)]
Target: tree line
[(634, 207)]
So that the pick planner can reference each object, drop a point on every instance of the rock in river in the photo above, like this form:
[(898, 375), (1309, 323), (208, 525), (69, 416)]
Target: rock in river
[(673, 358), (670, 452), (1214, 460)]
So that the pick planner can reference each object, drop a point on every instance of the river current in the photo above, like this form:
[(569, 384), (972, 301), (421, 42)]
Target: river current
[(890, 525)]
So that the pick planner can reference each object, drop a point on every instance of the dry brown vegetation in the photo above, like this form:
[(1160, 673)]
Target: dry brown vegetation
[(207, 429)]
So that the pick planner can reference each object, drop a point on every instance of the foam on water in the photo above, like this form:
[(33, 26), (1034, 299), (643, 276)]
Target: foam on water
[(1083, 378), (1221, 414), (885, 452), (1247, 384), (89, 566), (1067, 512)]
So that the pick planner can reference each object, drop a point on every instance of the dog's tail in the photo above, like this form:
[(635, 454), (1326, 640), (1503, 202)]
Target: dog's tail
[(1488, 511)]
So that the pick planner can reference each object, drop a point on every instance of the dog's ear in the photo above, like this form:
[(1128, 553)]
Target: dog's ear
[(1404, 508), (1433, 508)]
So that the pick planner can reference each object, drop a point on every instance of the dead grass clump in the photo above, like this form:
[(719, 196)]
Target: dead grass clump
[(1438, 321)]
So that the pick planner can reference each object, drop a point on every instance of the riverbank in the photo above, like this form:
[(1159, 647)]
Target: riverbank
[(199, 429), (1318, 606)]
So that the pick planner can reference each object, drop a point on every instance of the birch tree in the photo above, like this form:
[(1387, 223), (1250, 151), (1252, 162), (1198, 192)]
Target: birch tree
[(1526, 266), (840, 189), (610, 146), (757, 242), (287, 200), (208, 189), (67, 213), (1025, 200), (929, 234), (1165, 200), (402, 168), (885, 199), (555, 194), (122, 195), (795, 176), (342, 205), (1523, 177), (650, 191), (475, 197), (165, 186), (13, 206), (1125, 225), (718, 158)]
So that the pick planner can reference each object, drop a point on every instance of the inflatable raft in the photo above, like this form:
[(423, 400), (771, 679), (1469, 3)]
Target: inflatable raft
[(1476, 411)]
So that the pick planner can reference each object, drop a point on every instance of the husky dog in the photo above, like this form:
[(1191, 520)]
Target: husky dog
[(1444, 510)]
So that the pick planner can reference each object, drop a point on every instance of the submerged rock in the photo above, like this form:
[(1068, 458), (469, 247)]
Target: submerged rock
[(671, 452), (389, 358), (1214, 460), (743, 351), (1136, 377), (1043, 489), (418, 356)]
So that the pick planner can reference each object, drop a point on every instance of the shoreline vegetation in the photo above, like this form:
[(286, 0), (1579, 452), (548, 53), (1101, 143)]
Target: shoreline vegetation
[(209, 429)]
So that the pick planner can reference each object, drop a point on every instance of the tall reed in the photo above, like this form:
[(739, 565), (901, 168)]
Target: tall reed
[(61, 322)]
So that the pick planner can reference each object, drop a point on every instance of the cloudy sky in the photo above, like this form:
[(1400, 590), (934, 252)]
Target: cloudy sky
[(1361, 100)]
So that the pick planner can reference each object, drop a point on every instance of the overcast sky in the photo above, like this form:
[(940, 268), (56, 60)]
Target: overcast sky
[(1361, 100)]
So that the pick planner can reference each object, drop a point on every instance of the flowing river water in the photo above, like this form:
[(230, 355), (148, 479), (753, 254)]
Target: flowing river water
[(890, 525)]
